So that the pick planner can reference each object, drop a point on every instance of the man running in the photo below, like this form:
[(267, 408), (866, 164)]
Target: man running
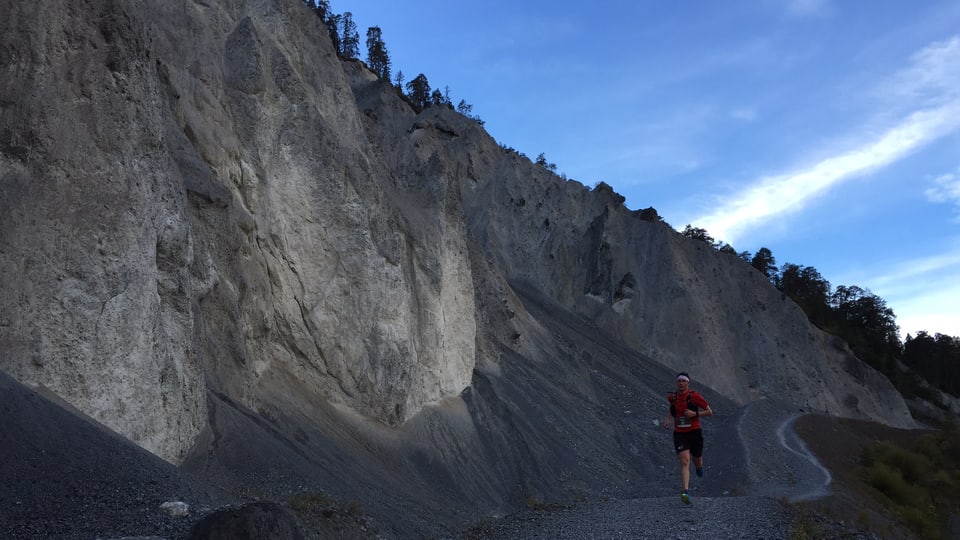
[(686, 408)]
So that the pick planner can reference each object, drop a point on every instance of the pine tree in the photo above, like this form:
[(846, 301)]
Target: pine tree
[(377, 57), (766, 263), (332, 22), (350, 39), (398, 82), (321, 8), (418, 90)]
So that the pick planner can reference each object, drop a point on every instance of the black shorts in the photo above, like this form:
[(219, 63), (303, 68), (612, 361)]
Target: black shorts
[(689, 440)]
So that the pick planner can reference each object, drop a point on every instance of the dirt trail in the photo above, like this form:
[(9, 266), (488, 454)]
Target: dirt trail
[(755, 461)]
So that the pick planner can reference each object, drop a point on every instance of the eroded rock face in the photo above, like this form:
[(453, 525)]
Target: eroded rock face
[(189, 199), (201, 195), (96, 250), (673, 299)]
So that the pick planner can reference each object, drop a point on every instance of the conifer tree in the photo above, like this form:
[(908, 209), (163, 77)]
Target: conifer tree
[(350, 39), (377, 57), (398, 82), (418, 90), (766, 263), (332, 22), (321, 8)]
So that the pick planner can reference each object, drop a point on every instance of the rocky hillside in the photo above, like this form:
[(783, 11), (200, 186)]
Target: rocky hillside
[(212, 227)]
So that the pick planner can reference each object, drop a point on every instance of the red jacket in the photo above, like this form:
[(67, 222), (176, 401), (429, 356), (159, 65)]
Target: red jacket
[(679, 404)]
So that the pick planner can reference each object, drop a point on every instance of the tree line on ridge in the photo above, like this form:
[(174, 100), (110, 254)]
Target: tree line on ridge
[(346, 41), (860, 318)]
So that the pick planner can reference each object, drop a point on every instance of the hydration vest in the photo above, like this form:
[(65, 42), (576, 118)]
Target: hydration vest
[(690, 404)]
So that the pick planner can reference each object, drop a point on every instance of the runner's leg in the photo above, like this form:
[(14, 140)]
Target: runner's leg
[(696, 451), (684, 458)]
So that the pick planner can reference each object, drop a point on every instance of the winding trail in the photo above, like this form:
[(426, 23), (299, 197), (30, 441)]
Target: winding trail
[(759, 462), (778, 463), (791, 441)]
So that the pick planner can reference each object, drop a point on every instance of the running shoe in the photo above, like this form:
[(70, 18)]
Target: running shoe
[(685, 497), (699, 472)]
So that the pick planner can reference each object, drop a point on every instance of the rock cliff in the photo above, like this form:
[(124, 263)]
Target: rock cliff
[(208, 219)]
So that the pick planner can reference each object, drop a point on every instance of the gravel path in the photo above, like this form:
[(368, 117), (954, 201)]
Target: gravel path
[(657, 518), (776, 467)]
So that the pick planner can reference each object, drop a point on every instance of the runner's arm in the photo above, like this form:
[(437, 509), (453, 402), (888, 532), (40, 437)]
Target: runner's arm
[(705, 411)]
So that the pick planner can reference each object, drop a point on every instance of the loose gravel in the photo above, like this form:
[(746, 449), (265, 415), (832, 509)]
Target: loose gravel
[(660, 518), (108, 488)]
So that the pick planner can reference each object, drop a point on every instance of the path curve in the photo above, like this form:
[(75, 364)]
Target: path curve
[(778, 462), (790, 440)]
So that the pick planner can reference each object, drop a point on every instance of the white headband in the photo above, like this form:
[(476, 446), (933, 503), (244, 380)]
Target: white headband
[(683, 378)]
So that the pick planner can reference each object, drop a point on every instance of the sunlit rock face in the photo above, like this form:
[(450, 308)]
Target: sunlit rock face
[(201, 197), (189, 199)]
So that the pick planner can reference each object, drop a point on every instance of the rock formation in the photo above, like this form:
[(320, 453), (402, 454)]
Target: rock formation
[(206, 214)]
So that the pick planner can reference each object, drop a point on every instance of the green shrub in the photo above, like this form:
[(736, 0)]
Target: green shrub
[(923, 522), (913, 466), (920, 481), (891, 482)]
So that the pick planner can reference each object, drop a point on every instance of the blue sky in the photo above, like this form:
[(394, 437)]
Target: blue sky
[(827, 131)]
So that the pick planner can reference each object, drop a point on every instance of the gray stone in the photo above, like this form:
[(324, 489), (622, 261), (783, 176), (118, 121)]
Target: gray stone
[(176, 508)]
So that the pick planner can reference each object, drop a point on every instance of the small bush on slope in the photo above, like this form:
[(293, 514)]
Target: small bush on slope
[(918, 481)]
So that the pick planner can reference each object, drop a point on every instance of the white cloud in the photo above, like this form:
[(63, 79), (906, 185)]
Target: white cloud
[(945, 189), (791, 192), (934, 116), (932, 74)]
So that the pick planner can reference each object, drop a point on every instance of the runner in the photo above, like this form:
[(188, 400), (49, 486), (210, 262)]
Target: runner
[(686, 408)]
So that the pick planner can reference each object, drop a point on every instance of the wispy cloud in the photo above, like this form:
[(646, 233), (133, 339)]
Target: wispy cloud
[(924, 294), (931, 78), (946, 189), (916, 272), (792, 192), (932, 74)]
